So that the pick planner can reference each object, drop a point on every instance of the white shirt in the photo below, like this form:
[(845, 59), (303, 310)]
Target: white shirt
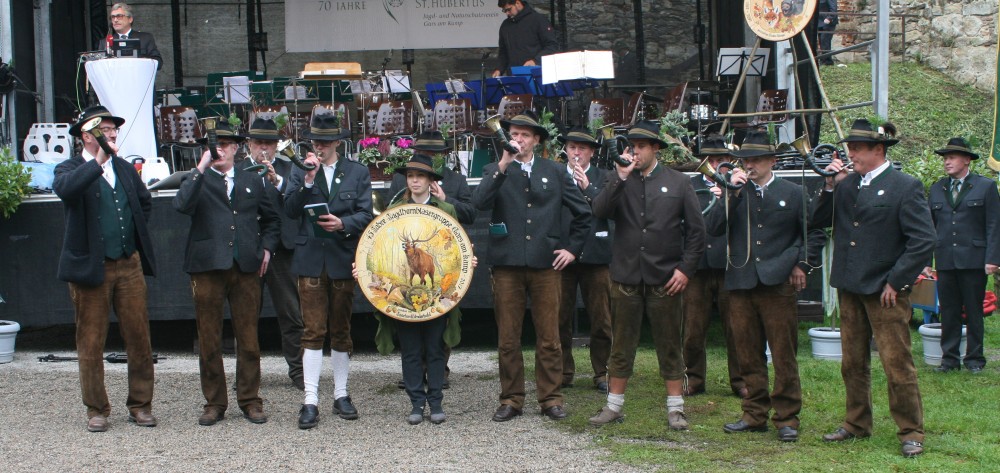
[(328, 172), (760, 189), (107, 168), (526, 166), (868, 178), (230, 180), (125, 34)]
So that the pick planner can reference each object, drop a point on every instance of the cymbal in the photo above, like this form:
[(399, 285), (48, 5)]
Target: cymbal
[(704, 85)]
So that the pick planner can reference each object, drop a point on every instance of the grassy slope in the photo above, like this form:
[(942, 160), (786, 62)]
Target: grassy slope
[(960, 409)]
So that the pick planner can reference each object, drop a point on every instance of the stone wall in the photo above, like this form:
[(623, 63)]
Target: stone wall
[(957, 37), (214, 40)]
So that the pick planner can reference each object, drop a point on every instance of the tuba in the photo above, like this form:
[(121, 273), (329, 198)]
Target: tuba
[(93, 127), (493, 123), (614, 144)]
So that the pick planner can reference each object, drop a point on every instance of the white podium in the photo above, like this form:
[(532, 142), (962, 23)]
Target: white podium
[(125, 86)]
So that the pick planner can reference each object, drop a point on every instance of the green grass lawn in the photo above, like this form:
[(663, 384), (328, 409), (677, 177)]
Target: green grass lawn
[(961, 415), (960, 419)]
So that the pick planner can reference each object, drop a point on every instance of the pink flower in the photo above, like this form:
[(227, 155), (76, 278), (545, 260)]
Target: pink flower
[(403, 143), (369, 142)]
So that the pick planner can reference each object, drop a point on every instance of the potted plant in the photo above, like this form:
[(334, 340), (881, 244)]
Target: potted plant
[(14, 187), (374, 154), (826, 340)]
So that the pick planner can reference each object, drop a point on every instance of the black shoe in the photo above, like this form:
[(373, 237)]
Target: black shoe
[(975, 369), (308, 416), (841, 435), (401, 384), (947, 368), (505, 412), (565, 385), (788, 434), (554, 413), (911, 448), (345, 409), (693, 392), (742, 426), (602, 387)]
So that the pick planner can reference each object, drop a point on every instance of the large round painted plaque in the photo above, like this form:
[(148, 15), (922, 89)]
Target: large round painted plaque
[(778, 20), (414, 262)]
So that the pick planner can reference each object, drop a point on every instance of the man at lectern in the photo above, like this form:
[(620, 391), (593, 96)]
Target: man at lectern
[(121, 25), (525, 36)]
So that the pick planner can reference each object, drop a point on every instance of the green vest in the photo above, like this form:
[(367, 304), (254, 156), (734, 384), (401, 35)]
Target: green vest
[(117, 225)]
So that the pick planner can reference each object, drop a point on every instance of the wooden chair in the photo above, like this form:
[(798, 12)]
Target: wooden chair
[(634, 108), (674, 100), (393, 119), (179, 131), (457, 113), (610, 111), (512, 105)]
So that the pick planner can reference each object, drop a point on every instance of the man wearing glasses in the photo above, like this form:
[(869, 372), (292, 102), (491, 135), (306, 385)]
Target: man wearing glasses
[(525, 36), (234, 231), (106, 251), (121, 26)]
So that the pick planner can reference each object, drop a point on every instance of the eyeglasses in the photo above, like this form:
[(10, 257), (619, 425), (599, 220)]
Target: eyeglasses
[(108, 129), (119, 16)]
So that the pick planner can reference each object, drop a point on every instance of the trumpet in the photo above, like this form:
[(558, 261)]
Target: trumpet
[(93, 127), (716, 174), (287, 149), (493, 123), (211, 138), (260, 169), (613, 144)]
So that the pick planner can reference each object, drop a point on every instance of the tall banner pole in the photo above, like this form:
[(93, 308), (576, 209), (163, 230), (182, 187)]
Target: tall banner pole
[(993, 161)]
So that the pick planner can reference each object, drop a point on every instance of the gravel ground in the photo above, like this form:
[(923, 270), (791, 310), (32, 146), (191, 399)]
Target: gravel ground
[(44, 424)]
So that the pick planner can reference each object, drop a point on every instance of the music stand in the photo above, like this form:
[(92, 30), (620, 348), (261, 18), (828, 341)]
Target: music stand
[(732, 61)]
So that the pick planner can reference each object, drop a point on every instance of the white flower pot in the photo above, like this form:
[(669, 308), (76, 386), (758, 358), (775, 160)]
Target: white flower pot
[(8, 331), (825, 343), (931, 334)]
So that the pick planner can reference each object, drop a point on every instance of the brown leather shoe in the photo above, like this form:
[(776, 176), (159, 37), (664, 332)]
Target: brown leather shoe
[(554, 413), (97, 423), (255, 414), (142, 419), (912, 448), (505, 412), (840, 435), (211, 416)]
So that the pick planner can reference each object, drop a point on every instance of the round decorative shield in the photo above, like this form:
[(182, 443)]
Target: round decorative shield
[(778, 20), (414, 262)]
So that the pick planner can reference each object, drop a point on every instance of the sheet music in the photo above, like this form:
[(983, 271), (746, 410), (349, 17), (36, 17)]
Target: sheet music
[(455, 86), (236, 89), (398, 82), (578, 65)]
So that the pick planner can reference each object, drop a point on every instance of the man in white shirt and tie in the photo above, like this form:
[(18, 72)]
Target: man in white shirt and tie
[(234, 232)]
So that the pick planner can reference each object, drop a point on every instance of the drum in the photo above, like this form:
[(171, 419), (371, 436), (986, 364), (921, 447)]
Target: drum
[(414, 262)]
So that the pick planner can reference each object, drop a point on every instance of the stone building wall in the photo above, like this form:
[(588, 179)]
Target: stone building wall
[(957, 37), (214, 40)]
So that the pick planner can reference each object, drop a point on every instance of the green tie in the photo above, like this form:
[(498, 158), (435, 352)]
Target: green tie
[(955, 189)]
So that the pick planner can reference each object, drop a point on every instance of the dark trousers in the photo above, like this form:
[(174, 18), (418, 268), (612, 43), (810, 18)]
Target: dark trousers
[(326, 308), (706, 286), (419, 342), (211, 290), (958, 289), (595, 285), (666, 318), (511, 287), (124, 289), (767, 314), (861, 317), (826, 43), (285, 297)]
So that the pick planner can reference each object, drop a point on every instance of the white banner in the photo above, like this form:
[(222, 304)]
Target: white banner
[(362, 25)]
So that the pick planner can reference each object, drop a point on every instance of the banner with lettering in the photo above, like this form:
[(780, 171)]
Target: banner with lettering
[(361, 25), (994, 160)]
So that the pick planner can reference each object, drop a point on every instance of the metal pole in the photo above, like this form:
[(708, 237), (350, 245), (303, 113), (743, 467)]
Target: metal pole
[(43, 65), (640, 42), (819, 82), (739, 86), (175, 31), (251, 23), (880, 62)]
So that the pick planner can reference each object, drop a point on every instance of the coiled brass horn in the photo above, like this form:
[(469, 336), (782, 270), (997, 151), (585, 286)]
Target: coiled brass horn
[(614, 144), (801, 147), (493, 123), (93, 126), (286, 148), (717, 175)]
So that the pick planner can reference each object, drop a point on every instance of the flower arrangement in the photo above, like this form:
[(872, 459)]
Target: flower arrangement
[(400, 154), (549, 148), (673, 130), (371, 150)]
